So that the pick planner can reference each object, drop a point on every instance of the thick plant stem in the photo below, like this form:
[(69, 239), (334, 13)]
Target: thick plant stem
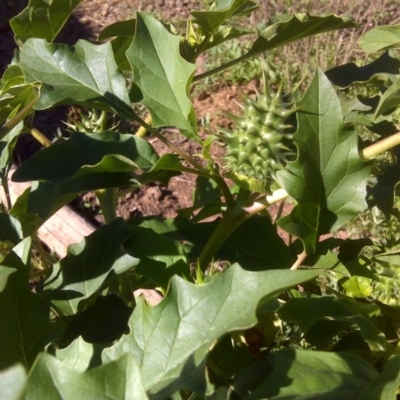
[(106, 199), (141, 132), (40, 137), (380, 147)]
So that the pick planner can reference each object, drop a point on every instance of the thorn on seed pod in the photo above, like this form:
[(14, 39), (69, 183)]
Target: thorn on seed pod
[(262, 142)]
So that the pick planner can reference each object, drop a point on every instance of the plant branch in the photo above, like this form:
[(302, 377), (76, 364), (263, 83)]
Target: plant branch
[(163, 139), (300, 259), (232, 219), (42, 139), (106, 199), (20, 116), (141, 132), (379, 147), (222, 67)]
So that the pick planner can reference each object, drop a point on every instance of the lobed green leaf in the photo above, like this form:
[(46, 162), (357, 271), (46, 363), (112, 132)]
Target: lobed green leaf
[(170, 341), (87, 266), (84, 74), (329, 179), (161, 76), (52, 379), (42, 19)]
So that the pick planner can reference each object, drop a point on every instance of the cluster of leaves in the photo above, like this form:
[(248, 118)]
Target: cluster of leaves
[(312, 319)]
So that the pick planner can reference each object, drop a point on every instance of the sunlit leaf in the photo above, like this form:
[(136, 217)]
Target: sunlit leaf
[(329, 179), (83, 74), (169, 341), (42, 19), (381, 38), (52, 379), (161, 75), (12, 382)]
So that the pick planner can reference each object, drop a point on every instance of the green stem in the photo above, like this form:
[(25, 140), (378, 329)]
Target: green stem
[(21, 115), (163, 139), (200, 49), (231, 220), (126, 290), (102, 121), (222, 67), (40, 137), (6, 189), (106, 199)]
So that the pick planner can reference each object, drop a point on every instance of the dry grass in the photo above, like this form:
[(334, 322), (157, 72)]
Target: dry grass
[(330, 49)]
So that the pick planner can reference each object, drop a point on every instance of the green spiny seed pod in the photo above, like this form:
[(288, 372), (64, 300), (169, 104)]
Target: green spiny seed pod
[(262, 141), (90, 120)]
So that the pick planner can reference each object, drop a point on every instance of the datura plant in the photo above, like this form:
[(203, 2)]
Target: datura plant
[(244, 313)]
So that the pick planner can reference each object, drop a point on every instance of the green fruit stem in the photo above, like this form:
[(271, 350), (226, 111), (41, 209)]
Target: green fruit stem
[(106, 199)]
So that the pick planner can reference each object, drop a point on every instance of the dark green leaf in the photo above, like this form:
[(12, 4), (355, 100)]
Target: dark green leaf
[(161, 75), (206, 191), (88, 153), (327, 170), (296, 27), (81, 355), (15, 93), (333, 312), (52, 379), (43, 199), (305, 374), (387, 384), (390, 99), (123, 31), (42, 19), (378, 71), (170, 341), (160, 258), (88, 265), (119, 28), (25, 317), (383, 191), (10, 229), (104, 322)]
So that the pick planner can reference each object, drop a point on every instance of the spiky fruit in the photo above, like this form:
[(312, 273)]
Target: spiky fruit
[(261, 143)]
